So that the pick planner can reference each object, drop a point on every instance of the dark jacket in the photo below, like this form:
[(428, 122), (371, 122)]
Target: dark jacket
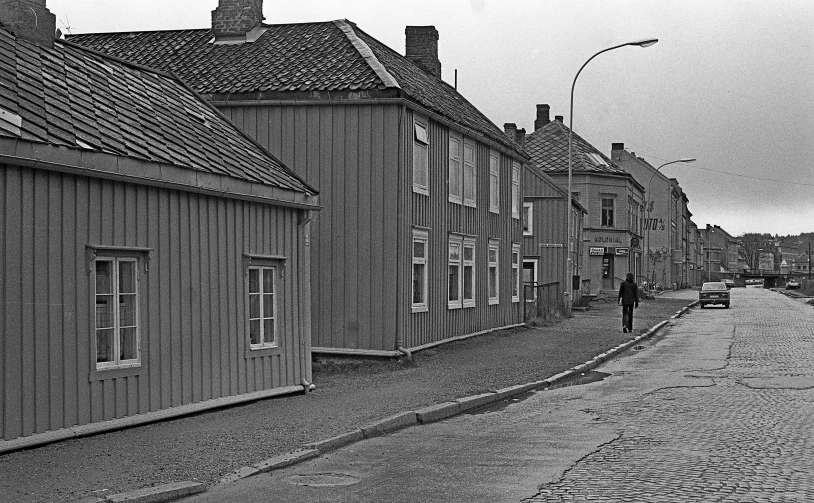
[(629, 292)]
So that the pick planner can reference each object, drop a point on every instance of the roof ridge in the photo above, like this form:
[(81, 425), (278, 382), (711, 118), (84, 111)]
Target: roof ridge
[(365, 51)]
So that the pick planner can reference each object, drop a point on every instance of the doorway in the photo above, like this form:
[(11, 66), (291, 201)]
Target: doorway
[(607, 272)]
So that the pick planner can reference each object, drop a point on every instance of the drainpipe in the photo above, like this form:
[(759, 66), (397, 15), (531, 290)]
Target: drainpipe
[(305, 298), (402, 117)]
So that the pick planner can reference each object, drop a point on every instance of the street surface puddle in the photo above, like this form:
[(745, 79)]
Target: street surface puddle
[(322, 479)]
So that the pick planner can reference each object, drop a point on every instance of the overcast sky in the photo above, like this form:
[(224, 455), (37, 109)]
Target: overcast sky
[(731, 82)]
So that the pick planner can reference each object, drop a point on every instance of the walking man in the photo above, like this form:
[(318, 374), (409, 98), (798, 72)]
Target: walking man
[(628, 298)]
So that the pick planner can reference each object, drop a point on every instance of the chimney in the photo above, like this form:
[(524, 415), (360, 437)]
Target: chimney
[(617, 146), (558, 118), (30, 20), (510, 128), (520, 137), (233, 19), (542, 116), (421, 48)]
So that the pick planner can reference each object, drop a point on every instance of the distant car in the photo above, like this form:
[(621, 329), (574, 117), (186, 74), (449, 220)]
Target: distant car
[(713, 292), (792, 284), (728, 282)]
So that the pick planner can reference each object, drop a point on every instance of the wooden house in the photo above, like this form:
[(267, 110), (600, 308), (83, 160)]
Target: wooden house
[(420, 241), (155, 259)]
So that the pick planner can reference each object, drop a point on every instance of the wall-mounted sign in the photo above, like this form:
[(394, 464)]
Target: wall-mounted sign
[(634, 242), (623, 251), (550, 245), (608, 239), (596, 250)]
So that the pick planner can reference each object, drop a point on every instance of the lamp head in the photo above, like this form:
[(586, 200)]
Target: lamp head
[(645, 43), (687, 159)]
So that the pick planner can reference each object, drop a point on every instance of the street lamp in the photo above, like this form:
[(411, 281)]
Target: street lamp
[(647, 205), (569, 262)]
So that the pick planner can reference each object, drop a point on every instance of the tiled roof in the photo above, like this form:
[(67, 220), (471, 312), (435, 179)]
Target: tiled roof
[(326, 56), (72, 97), (548, 148)]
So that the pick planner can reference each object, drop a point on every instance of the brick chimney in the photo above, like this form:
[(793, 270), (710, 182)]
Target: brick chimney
[(558, 118), (542, 116), (422, 48), (510, 129), (520, 137), (30, 20), (233, 19)]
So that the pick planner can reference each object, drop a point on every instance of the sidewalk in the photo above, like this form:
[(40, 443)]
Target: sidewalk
[(349, 394)]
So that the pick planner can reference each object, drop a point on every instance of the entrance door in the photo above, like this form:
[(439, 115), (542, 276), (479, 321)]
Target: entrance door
[(607, 272), (530, 279)]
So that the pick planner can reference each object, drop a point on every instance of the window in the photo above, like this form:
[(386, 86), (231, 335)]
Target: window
[(455, 175), (607, 211), (494, 182), (527, 215), (116, 324), (515, 190), (262, 307), (515, 273), (419, 270), (470, 174), (454, 274), (530, 278), (469, 272), (494, 274), (420, 160)]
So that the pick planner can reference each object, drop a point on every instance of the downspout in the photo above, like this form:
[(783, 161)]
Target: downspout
[(305, 294), (402, 168)]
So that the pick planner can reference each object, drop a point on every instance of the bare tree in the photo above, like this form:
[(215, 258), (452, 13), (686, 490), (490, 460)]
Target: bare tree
[(754, 245)]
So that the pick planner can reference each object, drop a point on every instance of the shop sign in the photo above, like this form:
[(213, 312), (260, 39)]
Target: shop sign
[(623, 251), (550, 245), (596, 250)]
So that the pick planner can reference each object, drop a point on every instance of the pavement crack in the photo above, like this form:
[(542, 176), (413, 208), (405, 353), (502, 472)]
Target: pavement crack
[(576, 463)]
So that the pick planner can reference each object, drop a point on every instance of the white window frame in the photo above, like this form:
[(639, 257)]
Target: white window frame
[(421, 153), (470, 174), (528, 220), (515, 190), (263, 271), (468, 242), (612, 219), (516, 261), (117, 362), (494, 182), (455, 171), (420, 236), (493, 264)]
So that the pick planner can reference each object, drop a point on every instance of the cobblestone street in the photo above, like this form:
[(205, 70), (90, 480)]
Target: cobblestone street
[(740, 432)]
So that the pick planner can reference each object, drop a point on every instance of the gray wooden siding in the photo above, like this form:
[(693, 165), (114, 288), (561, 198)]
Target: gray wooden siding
[(350, 154), (548, 224), (192, 305), (441, 217)]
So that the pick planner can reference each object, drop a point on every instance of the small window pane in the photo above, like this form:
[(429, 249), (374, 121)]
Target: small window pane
[(492, 255), (418, 249), (454, 252), (254, 331), (418, 283), (104, 311), (454, 271), (104, 282), (128, 344), (254, 281), (268, 306), (104, 345), (468, 292), (421, 133), (127, 277), (127, 310), (268, 281), (493, 282), (469, 253), (254, 306), (268, 331)]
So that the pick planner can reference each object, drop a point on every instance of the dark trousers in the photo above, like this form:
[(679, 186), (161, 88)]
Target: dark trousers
[(627, 316)]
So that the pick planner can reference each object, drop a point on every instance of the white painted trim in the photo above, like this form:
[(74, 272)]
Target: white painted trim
[(370, 58)]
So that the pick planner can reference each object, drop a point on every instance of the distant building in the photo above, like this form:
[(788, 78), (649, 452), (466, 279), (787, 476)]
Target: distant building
[(155, 258)]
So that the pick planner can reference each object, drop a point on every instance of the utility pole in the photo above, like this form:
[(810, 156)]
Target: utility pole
[(809, 260)]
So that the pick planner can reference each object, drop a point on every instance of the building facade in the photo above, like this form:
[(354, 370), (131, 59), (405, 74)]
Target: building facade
[(156, 258), (420, 240), (667, 254), (612, 198)]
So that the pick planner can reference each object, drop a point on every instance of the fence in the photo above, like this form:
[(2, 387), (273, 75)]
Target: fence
[(542, 301)]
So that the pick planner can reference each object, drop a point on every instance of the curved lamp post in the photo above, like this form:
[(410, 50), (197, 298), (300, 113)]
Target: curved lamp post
[(569, 262), (647, 205)]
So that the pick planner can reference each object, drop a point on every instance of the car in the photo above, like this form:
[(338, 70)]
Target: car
[(714, 292), (728, 282), (792, 284)]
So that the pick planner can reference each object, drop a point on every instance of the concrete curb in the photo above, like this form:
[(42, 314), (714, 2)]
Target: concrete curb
[(156, 494), (425, 415)]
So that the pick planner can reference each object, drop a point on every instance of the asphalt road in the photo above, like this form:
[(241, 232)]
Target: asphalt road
[(717, 408)]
